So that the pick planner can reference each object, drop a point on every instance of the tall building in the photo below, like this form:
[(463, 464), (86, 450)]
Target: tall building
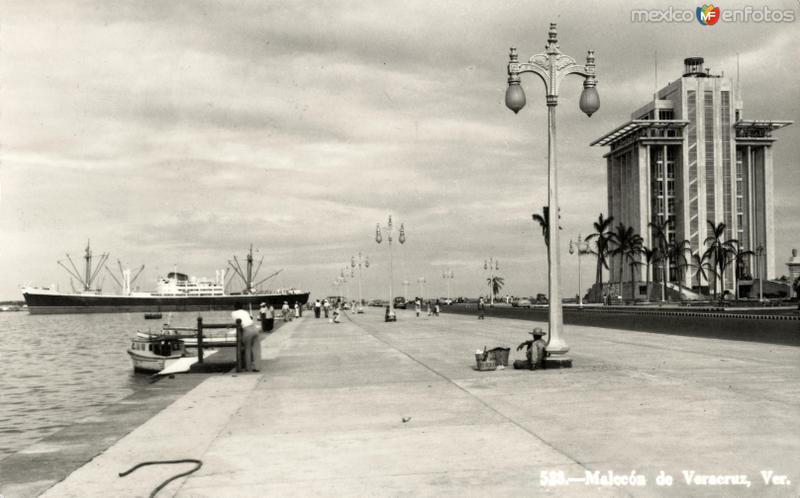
[(690, 156)]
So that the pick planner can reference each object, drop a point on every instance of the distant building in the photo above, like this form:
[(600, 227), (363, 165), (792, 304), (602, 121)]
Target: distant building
[(690, 156)]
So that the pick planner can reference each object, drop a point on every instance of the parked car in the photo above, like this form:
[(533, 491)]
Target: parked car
[(522, 302), (541, 299), (400, 302)]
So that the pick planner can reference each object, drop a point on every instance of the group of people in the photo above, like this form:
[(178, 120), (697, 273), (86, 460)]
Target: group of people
[(432, 308), (324, 306)]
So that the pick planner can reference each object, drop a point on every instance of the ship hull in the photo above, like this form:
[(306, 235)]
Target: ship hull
[(54, 303)]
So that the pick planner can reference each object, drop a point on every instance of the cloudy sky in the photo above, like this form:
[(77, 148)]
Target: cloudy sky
[(178, 133)]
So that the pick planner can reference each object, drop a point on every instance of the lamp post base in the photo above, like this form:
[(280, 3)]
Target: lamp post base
[(557, 361)]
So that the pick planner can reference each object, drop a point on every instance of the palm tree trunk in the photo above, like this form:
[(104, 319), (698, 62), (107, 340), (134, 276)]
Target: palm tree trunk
[(648, 282)]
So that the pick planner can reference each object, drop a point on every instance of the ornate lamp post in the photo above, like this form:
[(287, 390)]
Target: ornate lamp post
[(582, 247), (359, 264), (448, 276), (491, 264), (552, 66), (389, 230)]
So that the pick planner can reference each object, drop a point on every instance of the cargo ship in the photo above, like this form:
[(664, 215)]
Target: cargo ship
[(175, 292)]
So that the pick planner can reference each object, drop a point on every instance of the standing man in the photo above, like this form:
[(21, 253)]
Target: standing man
[(251, 339), (317, 308), (417, 305), (262, 313), (326, 306), (481, 309), (285, 311)]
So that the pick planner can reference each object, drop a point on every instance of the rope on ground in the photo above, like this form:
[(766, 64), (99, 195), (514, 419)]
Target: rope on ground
[(159, 462)]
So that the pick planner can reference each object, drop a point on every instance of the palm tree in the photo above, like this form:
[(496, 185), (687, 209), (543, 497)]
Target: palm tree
[(543, 220), (738, 256), (660, 227), (718, 252), (649, 255), (677, 255), (627, 244), (495, 284), (702, 268), (602, 238), (634, 249)]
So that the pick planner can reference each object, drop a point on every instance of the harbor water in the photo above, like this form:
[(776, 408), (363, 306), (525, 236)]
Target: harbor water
[(58, 369)]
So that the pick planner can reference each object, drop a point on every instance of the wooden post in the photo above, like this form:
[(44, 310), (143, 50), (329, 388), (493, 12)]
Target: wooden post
[(200, 339), (238, 344)]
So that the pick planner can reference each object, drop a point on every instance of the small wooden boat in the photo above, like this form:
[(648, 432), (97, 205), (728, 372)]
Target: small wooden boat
[(153, 353), (152, 316)]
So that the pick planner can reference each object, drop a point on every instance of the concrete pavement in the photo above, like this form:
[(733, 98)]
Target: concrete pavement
[(325, 417)]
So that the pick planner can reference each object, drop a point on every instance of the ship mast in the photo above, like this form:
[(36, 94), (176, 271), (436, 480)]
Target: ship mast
[(247, 275), (90, 274), (88, 269)]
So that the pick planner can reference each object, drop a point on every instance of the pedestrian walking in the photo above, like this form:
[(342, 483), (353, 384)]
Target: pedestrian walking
[(436, 308), (296, 309), (481, 309), (285, 311), (417, 306), (317, 308), (428, 307), (326, 306)]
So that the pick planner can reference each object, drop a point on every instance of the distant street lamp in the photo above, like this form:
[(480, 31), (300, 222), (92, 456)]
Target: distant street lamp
[(358, 263), (759, 253), (448, 276), (389, 230), (552, 66), (582, 247), (406, 283), (491, 264), (421, 282)]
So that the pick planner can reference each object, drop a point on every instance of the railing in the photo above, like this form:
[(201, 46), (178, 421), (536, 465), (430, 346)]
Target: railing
[(201, 344)]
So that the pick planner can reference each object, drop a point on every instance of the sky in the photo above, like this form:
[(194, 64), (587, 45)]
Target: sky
[(175, 134)]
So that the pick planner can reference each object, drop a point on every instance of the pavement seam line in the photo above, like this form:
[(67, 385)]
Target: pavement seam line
[(372, 332)]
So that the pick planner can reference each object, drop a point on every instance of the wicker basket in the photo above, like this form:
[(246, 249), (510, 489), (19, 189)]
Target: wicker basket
[(486, 365), (500, 355)]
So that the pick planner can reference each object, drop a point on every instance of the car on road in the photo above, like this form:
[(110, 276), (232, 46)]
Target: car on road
[(400, 302), (522, 302)]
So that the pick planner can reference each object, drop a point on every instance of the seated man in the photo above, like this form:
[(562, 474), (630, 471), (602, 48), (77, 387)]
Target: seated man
[(536, 352)]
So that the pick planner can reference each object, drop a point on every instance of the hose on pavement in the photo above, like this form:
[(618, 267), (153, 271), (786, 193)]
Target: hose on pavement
[(199, 463)]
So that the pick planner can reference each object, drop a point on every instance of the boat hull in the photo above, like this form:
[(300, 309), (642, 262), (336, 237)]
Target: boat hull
[(148, 362), (52, 303)]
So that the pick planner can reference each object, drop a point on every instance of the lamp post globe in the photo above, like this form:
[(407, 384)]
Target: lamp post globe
[(515, 96)]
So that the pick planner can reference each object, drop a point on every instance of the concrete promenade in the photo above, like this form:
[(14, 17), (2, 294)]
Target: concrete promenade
[(324, 417)]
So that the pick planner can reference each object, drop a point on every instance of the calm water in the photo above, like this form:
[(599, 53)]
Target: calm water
[(58, 369)]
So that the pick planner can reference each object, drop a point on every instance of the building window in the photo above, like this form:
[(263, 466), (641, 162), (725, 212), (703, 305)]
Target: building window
[(708, 138), (691, 110), (725, 124), (666, 114)]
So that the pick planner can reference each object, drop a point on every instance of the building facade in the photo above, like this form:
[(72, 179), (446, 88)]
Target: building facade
[(690, 157)]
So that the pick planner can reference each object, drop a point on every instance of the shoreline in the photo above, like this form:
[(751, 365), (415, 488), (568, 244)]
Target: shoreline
[(32, 470)]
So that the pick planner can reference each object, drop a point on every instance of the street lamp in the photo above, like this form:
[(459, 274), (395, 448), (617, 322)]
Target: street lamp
[(421, 282), (359, 264), (582, 247), (448, 276), (491, 264), (552, 66), (389, 230), (759, 253)]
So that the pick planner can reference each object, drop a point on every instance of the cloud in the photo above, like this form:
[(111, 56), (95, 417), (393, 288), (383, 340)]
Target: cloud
[(184, 131)]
